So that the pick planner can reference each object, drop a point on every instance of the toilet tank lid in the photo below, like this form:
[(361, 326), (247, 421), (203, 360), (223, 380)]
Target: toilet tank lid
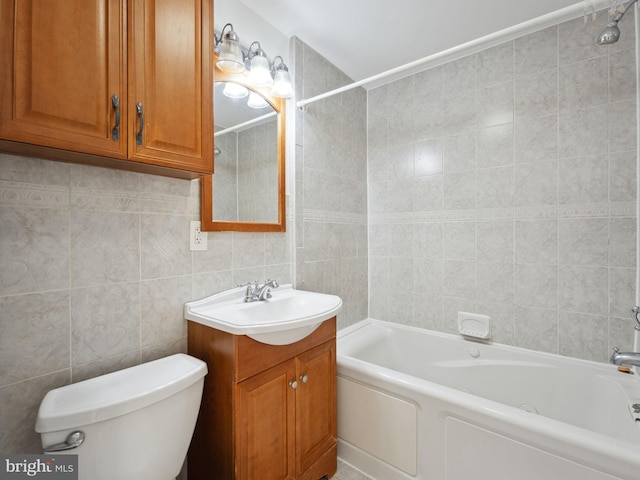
[(115, 394)]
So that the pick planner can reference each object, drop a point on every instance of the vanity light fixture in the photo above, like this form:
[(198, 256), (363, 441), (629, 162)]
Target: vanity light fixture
[(260, 70), (281, 81), (233, 58)]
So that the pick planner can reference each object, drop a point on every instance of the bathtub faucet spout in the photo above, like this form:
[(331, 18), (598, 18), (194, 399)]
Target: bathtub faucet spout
[(625, 358)]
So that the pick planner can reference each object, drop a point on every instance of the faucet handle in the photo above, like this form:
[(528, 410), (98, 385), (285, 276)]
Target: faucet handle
[(250, 286), (635, 311), (251, 290), (614, 355)]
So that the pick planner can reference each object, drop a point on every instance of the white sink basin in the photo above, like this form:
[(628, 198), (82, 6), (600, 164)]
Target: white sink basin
[(289, 316)]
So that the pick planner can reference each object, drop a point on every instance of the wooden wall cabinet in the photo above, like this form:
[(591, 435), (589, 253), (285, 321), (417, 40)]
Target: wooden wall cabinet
[(125, 84), (267, 412)]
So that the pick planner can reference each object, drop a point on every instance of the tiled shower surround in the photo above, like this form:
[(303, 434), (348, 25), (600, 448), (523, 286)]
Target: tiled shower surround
[(503, 183), (331, 188)]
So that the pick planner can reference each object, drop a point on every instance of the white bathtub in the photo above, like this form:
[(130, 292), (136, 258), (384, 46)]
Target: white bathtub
[(416, 404)]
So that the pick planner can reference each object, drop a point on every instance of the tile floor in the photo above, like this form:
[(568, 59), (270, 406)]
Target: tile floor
[(346, 472)]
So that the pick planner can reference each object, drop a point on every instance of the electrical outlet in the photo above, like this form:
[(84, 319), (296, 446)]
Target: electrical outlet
[(197, 238)]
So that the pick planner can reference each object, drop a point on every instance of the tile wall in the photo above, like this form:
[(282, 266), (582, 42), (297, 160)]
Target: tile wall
[(225, 183), (95, 268), (95, 265), (331, 188), (504, 183), (258, 173), (247, 190)]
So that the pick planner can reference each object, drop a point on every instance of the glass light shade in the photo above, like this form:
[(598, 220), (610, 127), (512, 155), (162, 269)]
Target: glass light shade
[(282, 87), (260, 74), (230, 59), (256, 101), (235, 90)]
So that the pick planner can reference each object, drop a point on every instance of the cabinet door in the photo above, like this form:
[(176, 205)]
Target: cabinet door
[(265, 425), (61, 62), (170, 84), (316, 424)]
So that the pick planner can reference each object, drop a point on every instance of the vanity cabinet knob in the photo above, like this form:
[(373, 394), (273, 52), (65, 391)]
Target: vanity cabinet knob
[(304, 378), (293, 384)]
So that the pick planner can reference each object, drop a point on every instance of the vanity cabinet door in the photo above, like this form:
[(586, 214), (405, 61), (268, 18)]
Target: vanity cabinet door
[(62, 67), (265, 424), (316, 420), (170, 92), (254, 421), (115, 83)]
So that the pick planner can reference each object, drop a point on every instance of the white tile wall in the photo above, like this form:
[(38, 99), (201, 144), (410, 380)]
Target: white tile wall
[(526, 211), (331, 187), (95, 268)]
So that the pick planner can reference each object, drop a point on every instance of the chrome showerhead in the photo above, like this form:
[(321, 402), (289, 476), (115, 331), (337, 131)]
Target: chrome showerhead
[(216, 151), (611, 34)]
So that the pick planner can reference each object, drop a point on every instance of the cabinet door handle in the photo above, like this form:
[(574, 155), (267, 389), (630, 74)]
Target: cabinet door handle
[(304, 378), (115, 131), (141, 115), (293, 384)]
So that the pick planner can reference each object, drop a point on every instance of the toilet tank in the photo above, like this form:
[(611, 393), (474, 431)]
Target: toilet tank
[(137, 422)]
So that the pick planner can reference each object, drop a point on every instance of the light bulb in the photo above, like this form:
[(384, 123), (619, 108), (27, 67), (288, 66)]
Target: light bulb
[(256, 101), (230, 59), (235, 90), (260, 74), (282, 83)]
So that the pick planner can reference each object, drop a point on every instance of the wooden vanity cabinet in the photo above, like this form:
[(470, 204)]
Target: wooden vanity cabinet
[(115, 83), (267, 411)]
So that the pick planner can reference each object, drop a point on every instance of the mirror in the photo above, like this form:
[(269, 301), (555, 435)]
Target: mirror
[(246, 192)]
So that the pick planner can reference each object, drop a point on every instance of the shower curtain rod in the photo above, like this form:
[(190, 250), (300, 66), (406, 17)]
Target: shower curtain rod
[(248, 123), (474, 46)]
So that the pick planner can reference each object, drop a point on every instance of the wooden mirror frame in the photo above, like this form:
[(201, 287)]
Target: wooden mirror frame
[(207, 222)]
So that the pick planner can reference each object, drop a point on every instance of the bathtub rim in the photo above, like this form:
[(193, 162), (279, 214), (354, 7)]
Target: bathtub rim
[(542, 428), (607, 367)]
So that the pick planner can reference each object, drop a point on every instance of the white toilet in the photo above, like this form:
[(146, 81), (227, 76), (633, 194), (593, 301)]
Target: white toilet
[(134, 424)]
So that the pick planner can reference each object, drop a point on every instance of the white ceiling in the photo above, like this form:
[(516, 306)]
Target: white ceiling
[(366, 37)]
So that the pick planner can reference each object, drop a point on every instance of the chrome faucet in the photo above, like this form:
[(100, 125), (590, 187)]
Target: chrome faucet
[(628, 358), (631, 359), (258, 293), (264, 292)]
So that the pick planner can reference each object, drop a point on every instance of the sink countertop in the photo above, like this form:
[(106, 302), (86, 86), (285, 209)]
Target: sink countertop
[(288, 316)]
